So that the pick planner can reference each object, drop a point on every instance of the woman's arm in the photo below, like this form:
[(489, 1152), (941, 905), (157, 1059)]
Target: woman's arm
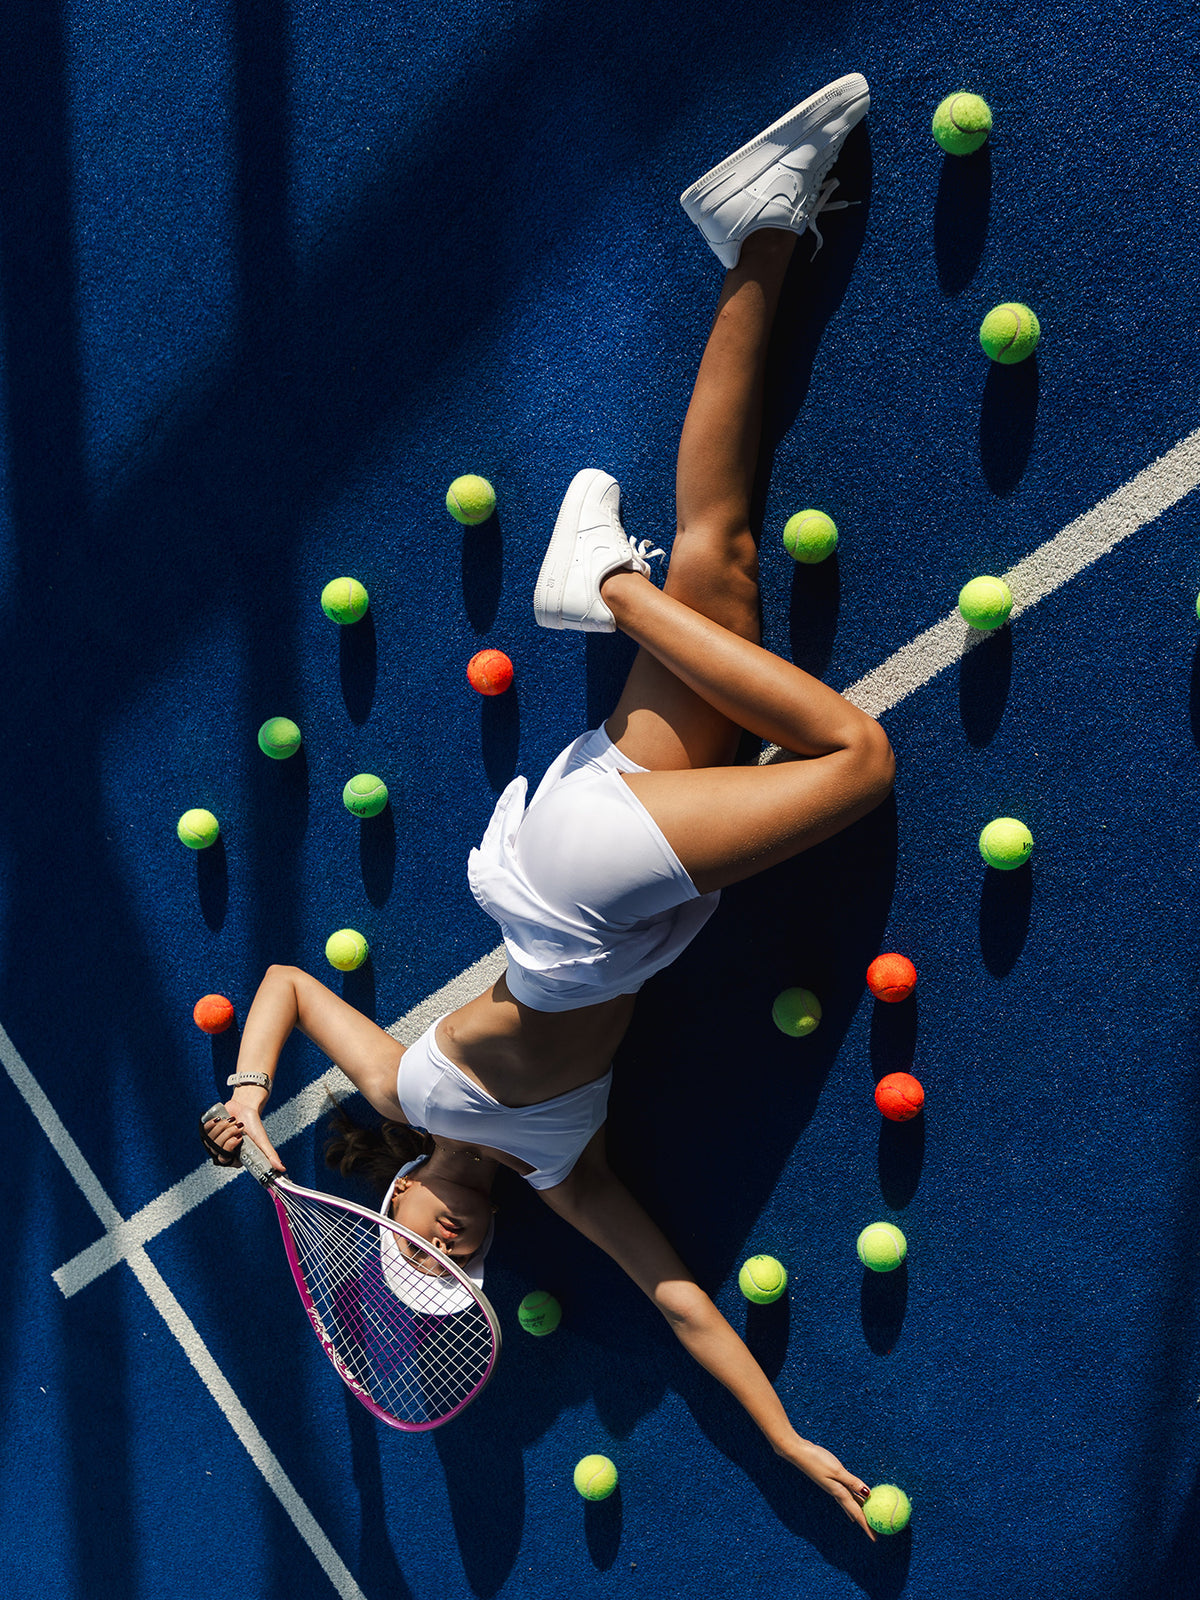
[(288, 998), (596, 1202)]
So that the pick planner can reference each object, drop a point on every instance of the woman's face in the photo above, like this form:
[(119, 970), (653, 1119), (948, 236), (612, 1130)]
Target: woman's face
[(452, 1217)]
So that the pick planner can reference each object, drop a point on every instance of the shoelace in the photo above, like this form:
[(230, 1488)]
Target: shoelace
[(643, 553), (825, 202)]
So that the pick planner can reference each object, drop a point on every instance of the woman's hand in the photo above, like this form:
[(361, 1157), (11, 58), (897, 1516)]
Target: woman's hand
[(226, 1134), (828, 1473)]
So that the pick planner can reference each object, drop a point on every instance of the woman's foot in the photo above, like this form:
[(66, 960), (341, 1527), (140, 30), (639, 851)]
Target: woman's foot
[(588, 544), (778, 180)]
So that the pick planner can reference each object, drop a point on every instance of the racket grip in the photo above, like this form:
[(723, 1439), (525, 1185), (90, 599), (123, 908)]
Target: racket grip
[(255, 1162)]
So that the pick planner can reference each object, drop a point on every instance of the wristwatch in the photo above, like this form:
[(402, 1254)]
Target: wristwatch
[(259, 1078)]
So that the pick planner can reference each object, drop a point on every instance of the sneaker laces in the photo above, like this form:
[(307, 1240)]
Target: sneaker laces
[(643, 555)]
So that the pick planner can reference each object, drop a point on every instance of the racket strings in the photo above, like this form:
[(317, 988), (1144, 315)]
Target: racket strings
[(408, 1358)]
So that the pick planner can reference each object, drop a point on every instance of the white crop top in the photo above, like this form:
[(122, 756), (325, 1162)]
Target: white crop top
[(436, 1095)]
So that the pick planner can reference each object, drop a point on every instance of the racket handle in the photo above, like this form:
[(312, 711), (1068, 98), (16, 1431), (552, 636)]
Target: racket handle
[(255, 1162)]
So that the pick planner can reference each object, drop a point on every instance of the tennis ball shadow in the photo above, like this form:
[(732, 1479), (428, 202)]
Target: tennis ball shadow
[(984, 678), (482, 572), (500, 735), (961, 215), (358, 988), (358, 665), (602, 1525), (766, 1336), (901, 1157), (1005, 905), (1007, 422), (813, 613), (225, 1048), (893, 1036), (212, 883), (882, 1303), (377, 855), (280, 790)]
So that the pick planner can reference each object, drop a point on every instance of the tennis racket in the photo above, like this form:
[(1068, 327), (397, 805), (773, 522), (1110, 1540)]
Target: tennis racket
[(414, 1339)]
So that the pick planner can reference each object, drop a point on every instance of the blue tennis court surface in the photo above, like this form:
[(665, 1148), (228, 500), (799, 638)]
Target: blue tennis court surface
[(271, 275)]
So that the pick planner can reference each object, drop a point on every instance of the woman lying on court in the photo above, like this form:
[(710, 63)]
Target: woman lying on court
[(642, 822)]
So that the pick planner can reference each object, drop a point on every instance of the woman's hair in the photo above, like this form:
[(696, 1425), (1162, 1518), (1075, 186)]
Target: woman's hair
[(375, 1153)]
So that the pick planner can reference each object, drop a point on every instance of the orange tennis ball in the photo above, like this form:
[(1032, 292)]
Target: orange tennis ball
[(490, 671), (891, 977), (213, 1013), (899, 1096)]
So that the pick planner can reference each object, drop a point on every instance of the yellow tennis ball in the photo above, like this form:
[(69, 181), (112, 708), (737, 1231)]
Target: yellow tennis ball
[(346, 949), (796, 1012), (279, 738), (985, 603), (762, 1279), (961, 123), (344, 600), (881, 1246), (595, 1477), (365, 795), (198, 828), (810, 536), (1009, 333), (539, 1313), (887, 1509), (1005, 843), (470, 499)]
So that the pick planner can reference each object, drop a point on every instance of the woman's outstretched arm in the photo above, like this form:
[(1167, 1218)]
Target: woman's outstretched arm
[(289, 999), (593, 1200)]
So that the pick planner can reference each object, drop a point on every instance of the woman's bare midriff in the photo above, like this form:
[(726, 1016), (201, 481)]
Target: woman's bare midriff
[(522, 1057)]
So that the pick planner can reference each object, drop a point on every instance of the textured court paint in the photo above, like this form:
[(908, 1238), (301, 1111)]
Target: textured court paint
[(181, 1326)]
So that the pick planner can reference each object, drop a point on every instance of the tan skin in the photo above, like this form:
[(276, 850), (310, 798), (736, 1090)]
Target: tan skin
[(699, 677)]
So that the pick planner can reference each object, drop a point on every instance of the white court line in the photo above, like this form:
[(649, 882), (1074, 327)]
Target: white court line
[(181, 1325), (1154, 490), (290, 1119)]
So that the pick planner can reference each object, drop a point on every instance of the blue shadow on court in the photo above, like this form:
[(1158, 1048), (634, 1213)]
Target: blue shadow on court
[(961, 215)]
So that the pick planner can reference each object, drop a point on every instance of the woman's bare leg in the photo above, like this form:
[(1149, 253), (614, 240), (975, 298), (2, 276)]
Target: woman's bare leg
[(661, 722), (726, 823)]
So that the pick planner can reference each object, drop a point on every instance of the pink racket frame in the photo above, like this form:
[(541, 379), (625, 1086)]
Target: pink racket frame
[(376, 1220)]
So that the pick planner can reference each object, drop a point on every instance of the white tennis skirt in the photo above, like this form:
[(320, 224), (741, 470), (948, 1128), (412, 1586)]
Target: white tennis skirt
[(590, 897)]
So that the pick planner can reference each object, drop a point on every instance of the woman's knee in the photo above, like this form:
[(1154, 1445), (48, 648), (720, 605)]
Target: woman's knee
[(714, 564), (875, 760)]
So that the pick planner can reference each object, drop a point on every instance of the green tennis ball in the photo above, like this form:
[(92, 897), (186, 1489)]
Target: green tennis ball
[(346, 950), (1009, 333), (344, 600), (961, 123), (595, 1477), (365, 795), (810, 536), (198, 828), (762, 1279), (279, 738), (887, 1509), (881, 1246), (796, 1012), (470, 499), (985, 603), (1005, 843), (539, 1313)]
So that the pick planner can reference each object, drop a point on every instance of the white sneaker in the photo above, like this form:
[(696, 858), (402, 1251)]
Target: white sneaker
[(588, 543), (779, 179)]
